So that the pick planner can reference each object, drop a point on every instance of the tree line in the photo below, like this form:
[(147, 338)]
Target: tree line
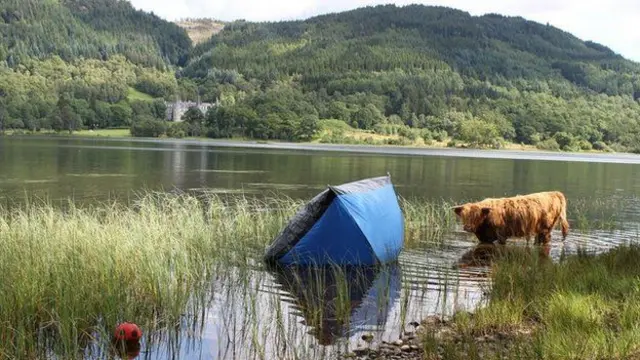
[(427, 72)]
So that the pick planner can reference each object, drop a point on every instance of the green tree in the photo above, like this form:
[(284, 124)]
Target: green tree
[(103, 114), (565, 141), (194, 120), (121, 115), (148, 127), (3, 114), (477, 132), (308, 128), (193, 115), (367, 117), (158, 109), (66, 117), (84, 113)]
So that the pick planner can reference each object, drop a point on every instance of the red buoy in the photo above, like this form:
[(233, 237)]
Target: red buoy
[(128, 332)]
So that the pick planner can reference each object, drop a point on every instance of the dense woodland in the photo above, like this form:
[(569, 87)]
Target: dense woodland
[(418, 71)]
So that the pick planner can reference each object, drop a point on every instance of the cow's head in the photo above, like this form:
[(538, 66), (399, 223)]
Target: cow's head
[(472, 216)]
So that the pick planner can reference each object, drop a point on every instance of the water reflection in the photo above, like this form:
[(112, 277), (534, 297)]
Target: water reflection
[(43, 165), (483, 255), (125, 350), (334, 301)]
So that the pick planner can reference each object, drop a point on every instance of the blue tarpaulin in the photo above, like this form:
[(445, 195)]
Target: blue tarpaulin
[(358, 223)]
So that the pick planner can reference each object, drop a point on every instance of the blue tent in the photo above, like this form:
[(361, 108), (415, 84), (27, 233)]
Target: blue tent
[(358, 223)]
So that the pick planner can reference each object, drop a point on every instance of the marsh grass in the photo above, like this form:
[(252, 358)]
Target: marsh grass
[(584, 307), (71, 273), (427, 221), (588, 214)]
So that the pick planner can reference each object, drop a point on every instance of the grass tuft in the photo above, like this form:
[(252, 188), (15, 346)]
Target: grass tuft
[(583, 307)]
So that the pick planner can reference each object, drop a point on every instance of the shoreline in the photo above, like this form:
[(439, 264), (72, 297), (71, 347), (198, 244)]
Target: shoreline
[(578, 307), (499, 154)]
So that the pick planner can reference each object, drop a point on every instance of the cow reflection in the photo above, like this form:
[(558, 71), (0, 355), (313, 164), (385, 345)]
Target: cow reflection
[(336, 300), (483, 255)]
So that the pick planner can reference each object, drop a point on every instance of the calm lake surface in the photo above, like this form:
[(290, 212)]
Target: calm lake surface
[(423, 283)]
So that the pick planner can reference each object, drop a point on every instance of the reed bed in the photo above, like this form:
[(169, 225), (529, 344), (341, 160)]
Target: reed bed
[(427, 222), (588, 214), (70, 274)]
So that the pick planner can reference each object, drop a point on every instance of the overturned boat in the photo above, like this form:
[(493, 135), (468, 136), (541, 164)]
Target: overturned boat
[(357, 223)]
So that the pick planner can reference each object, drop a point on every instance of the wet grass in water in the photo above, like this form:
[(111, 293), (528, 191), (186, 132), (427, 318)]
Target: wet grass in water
[(595, 214), (69, 276), (584, 307), (428, 221)]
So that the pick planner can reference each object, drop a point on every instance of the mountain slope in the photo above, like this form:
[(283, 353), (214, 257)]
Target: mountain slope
[(433, 73), (385, 37), (65, 64), (90, 29), (434, 68)]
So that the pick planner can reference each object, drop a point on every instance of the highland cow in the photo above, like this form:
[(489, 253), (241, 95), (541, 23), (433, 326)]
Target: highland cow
[(519, 216)]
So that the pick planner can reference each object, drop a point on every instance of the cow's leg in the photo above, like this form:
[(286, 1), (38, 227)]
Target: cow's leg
[(501, 238), (538, 240), (544, 237), (545, 251), (544, 228), (486, 234), (484, 238)]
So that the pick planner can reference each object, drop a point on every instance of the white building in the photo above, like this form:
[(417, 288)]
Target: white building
[(176, 110)]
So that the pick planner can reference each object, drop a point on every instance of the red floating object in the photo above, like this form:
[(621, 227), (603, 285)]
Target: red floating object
[(128, 332)]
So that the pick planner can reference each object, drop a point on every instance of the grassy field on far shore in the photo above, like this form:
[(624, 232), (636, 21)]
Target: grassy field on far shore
[(349, 137)]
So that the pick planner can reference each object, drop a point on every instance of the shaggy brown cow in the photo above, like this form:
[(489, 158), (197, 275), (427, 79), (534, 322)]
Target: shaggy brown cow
[(519, 216)]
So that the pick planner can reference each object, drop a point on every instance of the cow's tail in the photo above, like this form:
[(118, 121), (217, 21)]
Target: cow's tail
[(563, 217)]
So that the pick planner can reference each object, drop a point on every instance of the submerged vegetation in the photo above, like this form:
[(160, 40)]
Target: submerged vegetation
[(71, 273)]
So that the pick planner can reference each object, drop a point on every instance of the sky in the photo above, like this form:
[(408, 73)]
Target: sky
[(609, 22)]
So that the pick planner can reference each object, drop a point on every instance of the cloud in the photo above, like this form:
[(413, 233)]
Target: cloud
[(610, 23)]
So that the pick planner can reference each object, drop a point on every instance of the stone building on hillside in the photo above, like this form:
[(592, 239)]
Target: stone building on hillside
[(176, 109)]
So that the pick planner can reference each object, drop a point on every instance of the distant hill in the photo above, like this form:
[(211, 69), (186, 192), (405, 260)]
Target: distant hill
[(417, 73), (88, 28), (434, 68), (201, 30), (382, 38), (66, 64)]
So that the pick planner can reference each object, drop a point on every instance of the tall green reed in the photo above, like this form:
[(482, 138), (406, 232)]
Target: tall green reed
[(71, 273)]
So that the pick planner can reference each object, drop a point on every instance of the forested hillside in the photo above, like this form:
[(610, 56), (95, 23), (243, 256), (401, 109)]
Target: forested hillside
[(416, 72), (425, 67), (68, 64), (90, 29)]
